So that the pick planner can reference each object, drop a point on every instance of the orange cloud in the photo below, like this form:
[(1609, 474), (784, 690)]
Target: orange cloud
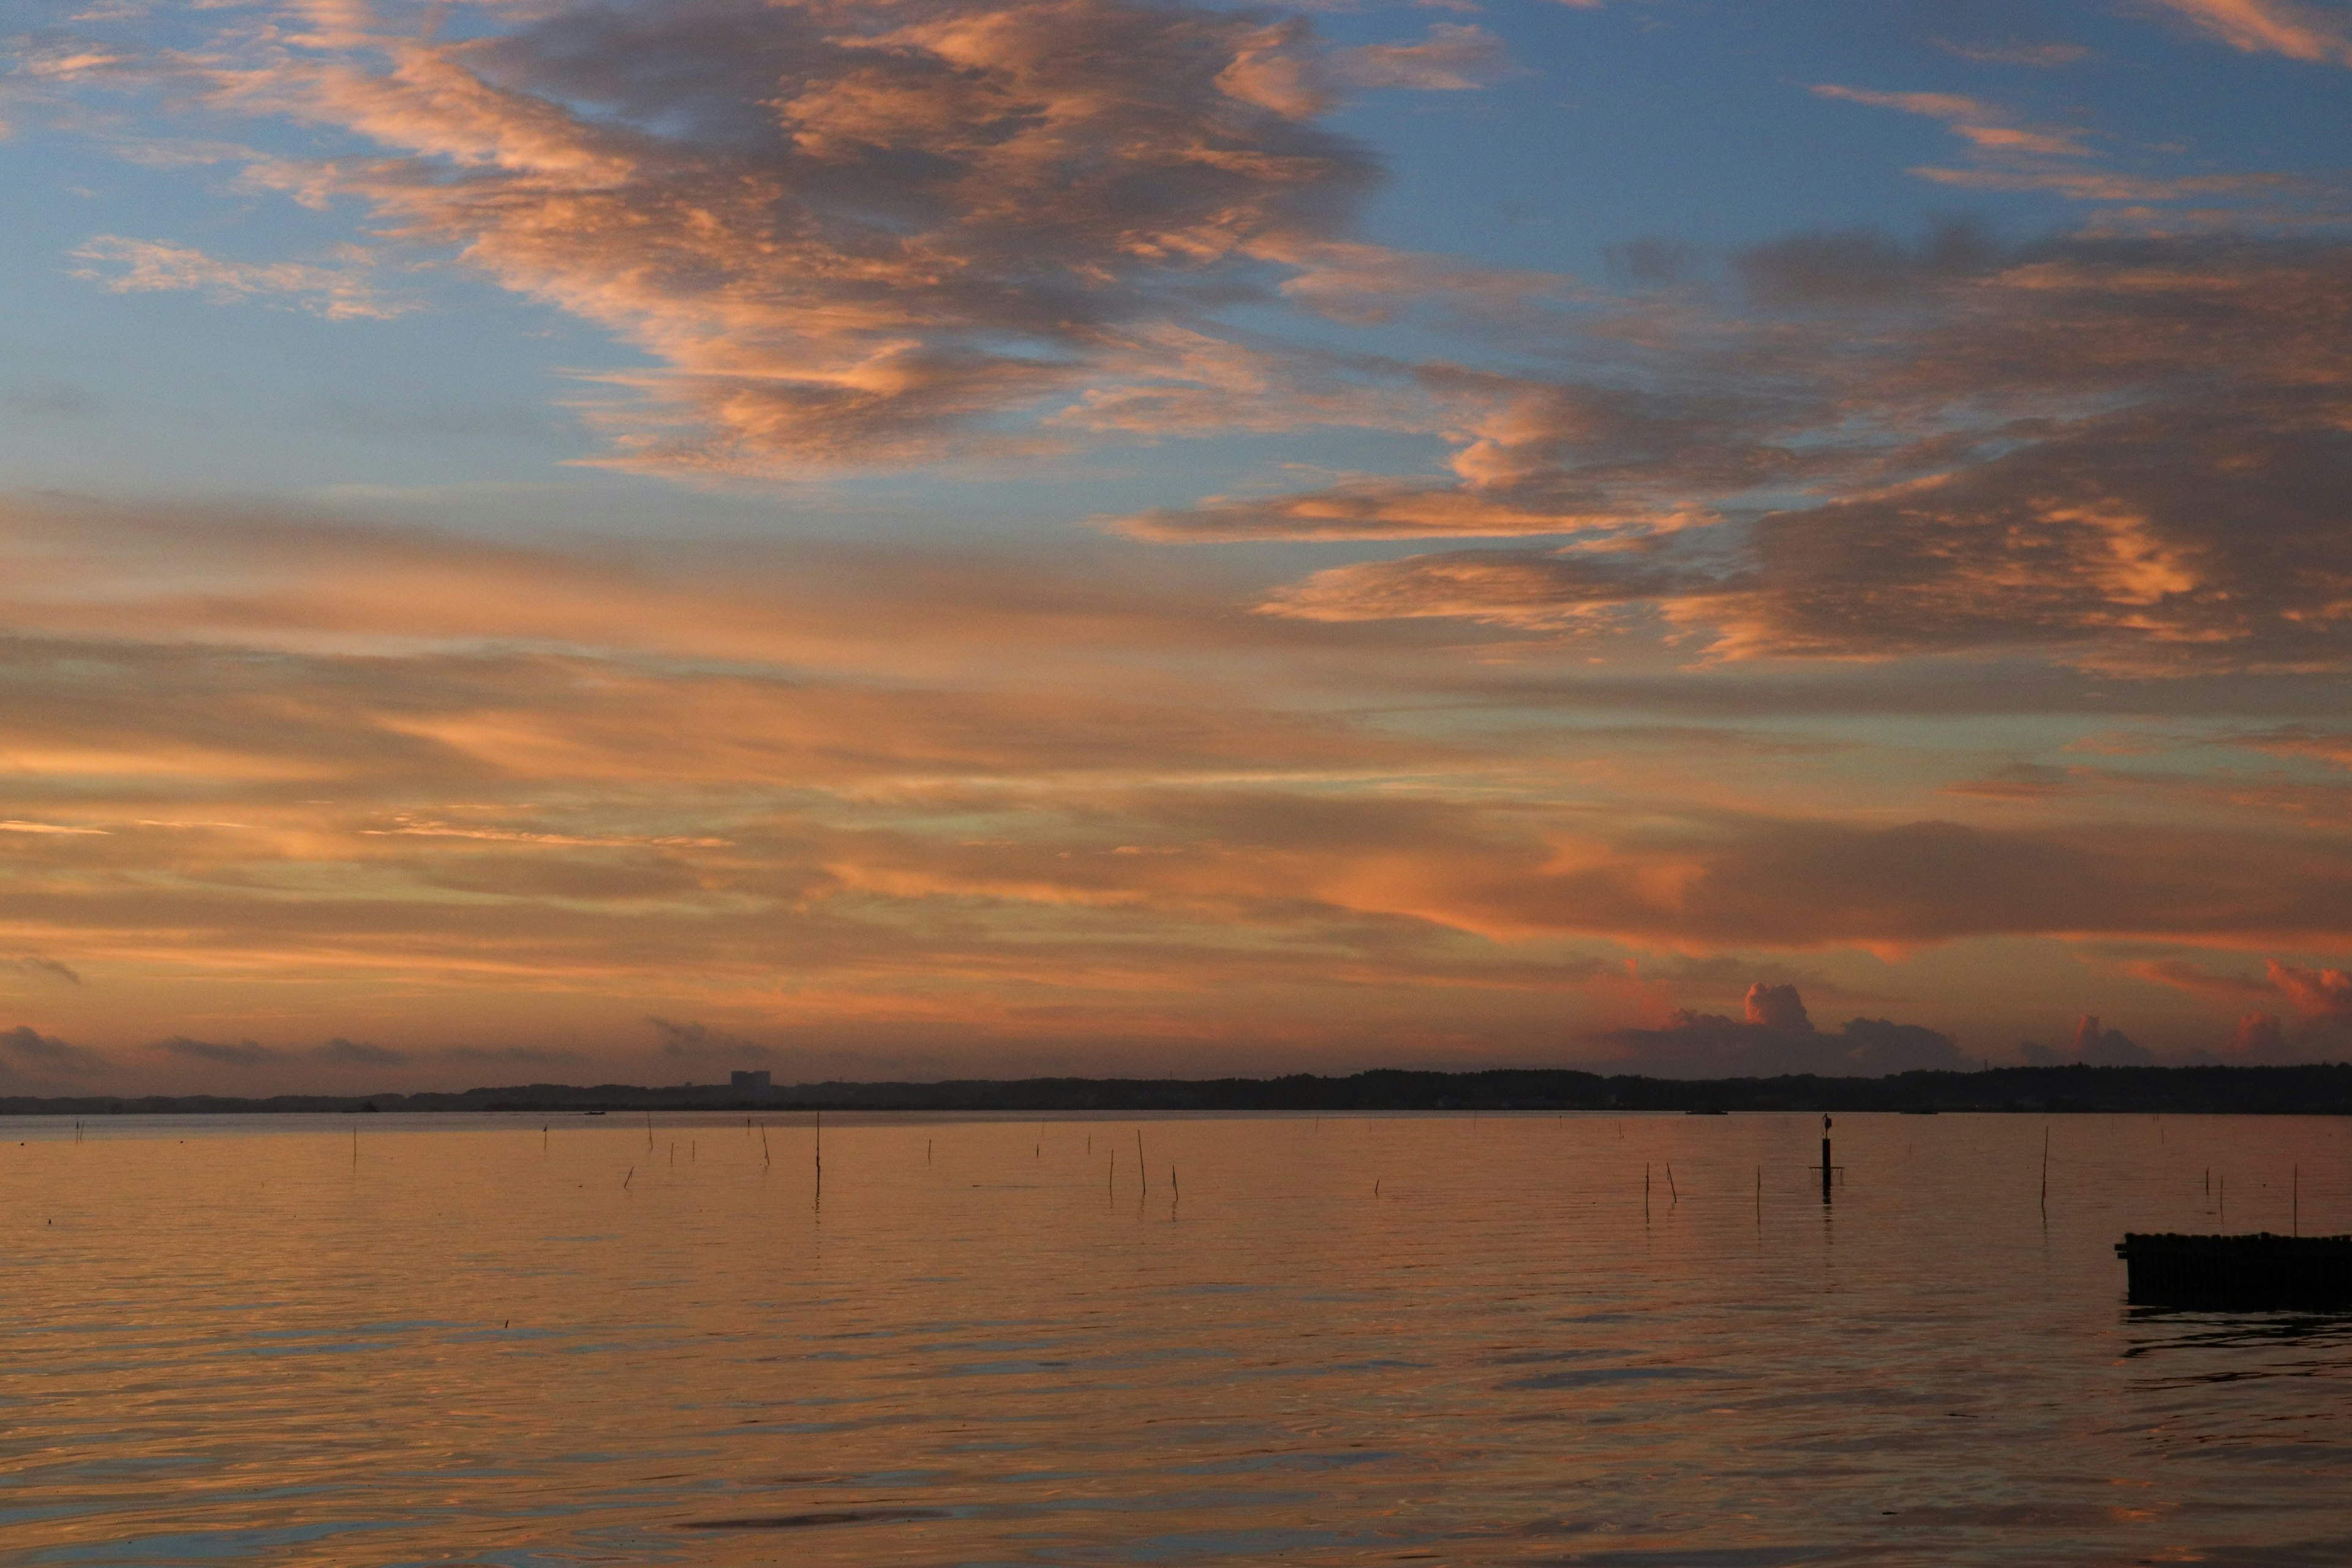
[(2299, 31), (2113, 495), (1989, 129), (856, 237), (341, 292), (2315, 994)]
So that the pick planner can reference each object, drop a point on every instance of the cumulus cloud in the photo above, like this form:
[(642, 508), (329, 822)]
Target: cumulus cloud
[(1776, 1007), (1777, 1037), (34, 1058), (1541, 457), (2258, 1038), (853, 235), (2126, 453), (2092, 1045), (2317, 1001), (2318, 995), (2107, 1047)]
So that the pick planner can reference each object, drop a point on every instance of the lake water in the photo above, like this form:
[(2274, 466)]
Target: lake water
[(268, 1341)]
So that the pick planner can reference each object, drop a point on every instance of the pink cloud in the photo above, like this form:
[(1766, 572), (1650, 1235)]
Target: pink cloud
[(2257, 1037), (2318, 995), (2298, 30), (1986, 127), (1454, 58)]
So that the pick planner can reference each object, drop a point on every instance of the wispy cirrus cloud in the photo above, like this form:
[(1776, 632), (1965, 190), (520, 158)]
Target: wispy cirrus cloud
[(344, 291), (1454, 58), (935, 842), (1984, 126), (2043, 56), (2298, 29), (2011, 152), (36, 966)]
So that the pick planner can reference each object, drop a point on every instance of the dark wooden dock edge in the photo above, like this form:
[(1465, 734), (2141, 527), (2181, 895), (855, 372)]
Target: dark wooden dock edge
[(2259, 1272)]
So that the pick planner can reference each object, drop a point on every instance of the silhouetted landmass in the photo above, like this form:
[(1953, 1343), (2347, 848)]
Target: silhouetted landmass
[(2323, 1089)]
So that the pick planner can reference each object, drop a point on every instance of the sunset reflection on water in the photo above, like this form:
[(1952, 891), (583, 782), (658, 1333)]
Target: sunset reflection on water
[(559, 1340)]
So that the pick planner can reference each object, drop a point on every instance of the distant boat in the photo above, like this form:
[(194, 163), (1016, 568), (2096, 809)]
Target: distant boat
[(594, 1113), (1706, 1111), (2261, 1272)]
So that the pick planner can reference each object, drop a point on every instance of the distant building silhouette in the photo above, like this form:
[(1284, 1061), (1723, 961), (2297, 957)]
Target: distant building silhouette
[(751, 1083)]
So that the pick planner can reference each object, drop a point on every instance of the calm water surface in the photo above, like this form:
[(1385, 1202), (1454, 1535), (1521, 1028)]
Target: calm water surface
[(263, 1341)]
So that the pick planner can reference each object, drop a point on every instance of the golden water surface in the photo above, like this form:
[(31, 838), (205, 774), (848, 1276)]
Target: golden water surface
[(567, 1340)]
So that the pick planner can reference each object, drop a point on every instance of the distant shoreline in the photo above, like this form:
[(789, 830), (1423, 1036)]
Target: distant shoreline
[(2318, 1088)]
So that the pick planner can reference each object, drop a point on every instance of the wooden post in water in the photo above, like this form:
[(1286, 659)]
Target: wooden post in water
[(1825, 1157)]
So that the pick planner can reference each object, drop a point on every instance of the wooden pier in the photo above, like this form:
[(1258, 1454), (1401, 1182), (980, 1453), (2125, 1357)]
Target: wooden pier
[(2261, 1272)]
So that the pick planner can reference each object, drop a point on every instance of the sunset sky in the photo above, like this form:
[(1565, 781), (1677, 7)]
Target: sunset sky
[(929, 538)]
